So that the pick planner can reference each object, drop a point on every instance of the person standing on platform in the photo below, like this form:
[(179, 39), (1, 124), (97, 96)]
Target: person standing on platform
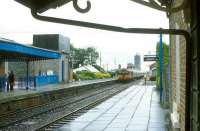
[(145, 79), (7, 81), (11, 79)]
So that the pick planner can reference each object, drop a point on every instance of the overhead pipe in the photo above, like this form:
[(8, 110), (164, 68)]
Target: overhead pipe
[(109, 27)]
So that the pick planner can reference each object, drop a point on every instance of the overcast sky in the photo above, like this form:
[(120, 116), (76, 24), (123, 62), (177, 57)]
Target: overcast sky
[(116, 48)]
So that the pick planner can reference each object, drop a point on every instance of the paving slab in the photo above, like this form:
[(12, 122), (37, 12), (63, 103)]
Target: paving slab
[(135, 109)]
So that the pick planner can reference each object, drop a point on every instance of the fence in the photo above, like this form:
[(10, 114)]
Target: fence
[(24, 83), (44, 80), (30, 82)]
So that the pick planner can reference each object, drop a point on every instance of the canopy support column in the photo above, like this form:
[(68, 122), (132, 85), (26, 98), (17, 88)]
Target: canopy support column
[(161, 66), (27, 75)]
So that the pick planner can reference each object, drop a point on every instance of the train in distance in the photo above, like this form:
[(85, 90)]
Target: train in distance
[(126, 75)]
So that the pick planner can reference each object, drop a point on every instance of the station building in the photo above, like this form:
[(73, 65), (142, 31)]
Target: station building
[(44, 71)]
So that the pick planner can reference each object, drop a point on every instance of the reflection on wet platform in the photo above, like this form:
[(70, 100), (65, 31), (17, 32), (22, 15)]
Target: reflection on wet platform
[(135, 109)]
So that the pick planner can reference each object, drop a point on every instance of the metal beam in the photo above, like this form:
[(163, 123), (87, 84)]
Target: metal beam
[(109, 27)]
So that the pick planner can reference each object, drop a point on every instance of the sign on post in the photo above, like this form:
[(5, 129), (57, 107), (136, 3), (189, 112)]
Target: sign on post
[(151, 58)]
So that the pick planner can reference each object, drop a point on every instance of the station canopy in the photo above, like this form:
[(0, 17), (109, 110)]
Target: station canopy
[(41, 6), (12, 51)]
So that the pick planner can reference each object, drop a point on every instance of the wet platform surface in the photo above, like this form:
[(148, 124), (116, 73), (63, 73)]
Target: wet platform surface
[(135, 109)]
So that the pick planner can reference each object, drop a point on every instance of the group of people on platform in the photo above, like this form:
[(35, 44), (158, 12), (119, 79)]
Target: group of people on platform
[(8, 81)]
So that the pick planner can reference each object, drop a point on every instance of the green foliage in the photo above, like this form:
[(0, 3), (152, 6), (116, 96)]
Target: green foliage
[(85, 75), (165, 60), (101, 75), (75, 77), (112, 74), (83, 56), (92, 55), (158, 81), (165, 53)]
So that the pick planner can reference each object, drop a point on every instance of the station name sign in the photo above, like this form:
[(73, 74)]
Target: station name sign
[(151, 58)]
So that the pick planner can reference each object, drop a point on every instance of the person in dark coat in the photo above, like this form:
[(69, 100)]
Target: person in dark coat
[(11, 79), (7, 81)]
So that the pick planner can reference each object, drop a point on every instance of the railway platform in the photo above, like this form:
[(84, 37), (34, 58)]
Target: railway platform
[(135, 109), (21, 93), (21, 99)]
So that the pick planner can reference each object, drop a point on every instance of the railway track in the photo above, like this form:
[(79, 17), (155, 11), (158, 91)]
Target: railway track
[(12, 118), (65, 119), (69, 117), (33, 119)]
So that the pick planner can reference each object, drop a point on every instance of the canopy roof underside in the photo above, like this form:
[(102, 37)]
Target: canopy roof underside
[(11, 51)]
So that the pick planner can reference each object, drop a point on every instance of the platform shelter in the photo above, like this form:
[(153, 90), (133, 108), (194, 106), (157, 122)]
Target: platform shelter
[(11, 51)]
